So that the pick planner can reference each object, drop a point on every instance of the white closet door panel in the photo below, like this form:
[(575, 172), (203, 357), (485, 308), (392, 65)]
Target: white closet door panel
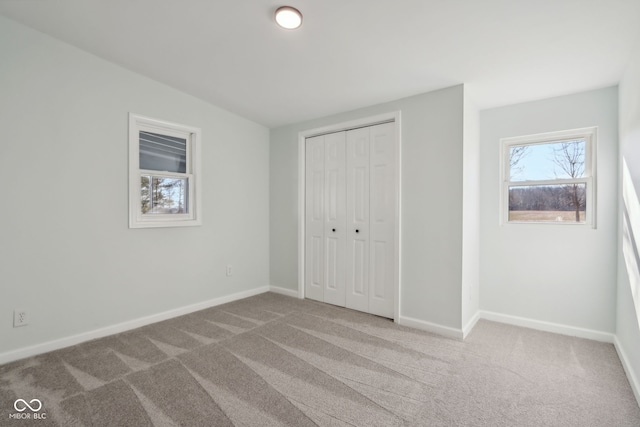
[(360, 273), (382, 219), (360, 208), (316, 262), (332, 260), (358, 219), (335, 218), (314, 218)]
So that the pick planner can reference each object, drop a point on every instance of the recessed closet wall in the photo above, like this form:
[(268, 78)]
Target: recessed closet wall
[(430, 270), (351, 200)]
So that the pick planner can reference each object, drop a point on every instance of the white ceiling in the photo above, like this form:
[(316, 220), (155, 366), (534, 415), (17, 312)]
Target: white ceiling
[(349, 53)]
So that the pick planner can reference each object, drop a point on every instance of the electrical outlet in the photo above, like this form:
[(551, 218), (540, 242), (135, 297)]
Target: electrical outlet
[(229, 270), (20, 318)]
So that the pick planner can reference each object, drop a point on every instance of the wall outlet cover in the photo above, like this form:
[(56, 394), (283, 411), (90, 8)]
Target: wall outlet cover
[(20, 317)]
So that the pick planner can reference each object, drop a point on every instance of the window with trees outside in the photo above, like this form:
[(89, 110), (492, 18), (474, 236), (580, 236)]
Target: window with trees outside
[(164, 172), (549, 178)]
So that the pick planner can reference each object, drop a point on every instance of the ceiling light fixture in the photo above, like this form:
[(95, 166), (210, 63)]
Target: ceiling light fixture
[(288, 17)]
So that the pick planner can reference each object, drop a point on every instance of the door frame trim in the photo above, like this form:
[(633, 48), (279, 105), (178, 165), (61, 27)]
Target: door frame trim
[(394, 116)]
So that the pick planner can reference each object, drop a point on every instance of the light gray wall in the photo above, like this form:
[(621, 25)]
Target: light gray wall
[(627, 325), (66, 253), (551, 273), (432, 133), (471, 212)]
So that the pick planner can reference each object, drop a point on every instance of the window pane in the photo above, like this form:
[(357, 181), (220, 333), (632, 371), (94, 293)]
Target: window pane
[(547, 203), (553, 160), (145, 199), (162, 152), (162, 195)]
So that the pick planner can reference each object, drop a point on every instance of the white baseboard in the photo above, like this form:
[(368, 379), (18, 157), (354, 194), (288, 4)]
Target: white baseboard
[(430, 327), (57, 344), (466, 330), (634, 381), (510, 320), (548, 326), (284, 291)]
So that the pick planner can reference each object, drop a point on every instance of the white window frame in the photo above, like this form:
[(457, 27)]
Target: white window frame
[(589, 134), (193, 136)]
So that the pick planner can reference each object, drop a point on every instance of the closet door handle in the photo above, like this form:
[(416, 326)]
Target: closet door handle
[(357, 231), (333, 229)]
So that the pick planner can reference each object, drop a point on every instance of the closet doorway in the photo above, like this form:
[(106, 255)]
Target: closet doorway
[(350, 215)]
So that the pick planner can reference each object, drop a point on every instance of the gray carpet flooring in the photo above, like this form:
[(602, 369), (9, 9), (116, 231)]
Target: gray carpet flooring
[(272, 360)]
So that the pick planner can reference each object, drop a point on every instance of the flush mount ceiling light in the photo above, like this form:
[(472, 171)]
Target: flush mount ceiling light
[(288, 17)]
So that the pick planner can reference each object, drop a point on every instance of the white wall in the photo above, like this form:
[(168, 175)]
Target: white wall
[(431, 202), (66, 253), (550, 273), (628, 309), (470, 214)]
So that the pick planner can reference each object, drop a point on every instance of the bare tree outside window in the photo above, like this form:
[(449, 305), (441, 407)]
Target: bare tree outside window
[(516, 155), (162, 195), (569, 159)]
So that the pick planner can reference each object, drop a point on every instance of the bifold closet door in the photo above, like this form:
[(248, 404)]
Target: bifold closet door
[(350, 214), (371, 203), (357, 296), (325, 218), (314, 218), (382, 219), (335, 218)]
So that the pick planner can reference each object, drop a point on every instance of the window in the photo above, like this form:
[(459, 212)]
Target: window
[(549, 178), (164, 172)]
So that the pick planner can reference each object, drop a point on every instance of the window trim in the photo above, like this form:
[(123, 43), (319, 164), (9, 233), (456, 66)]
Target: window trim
[(193, 136), (589, 134)]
